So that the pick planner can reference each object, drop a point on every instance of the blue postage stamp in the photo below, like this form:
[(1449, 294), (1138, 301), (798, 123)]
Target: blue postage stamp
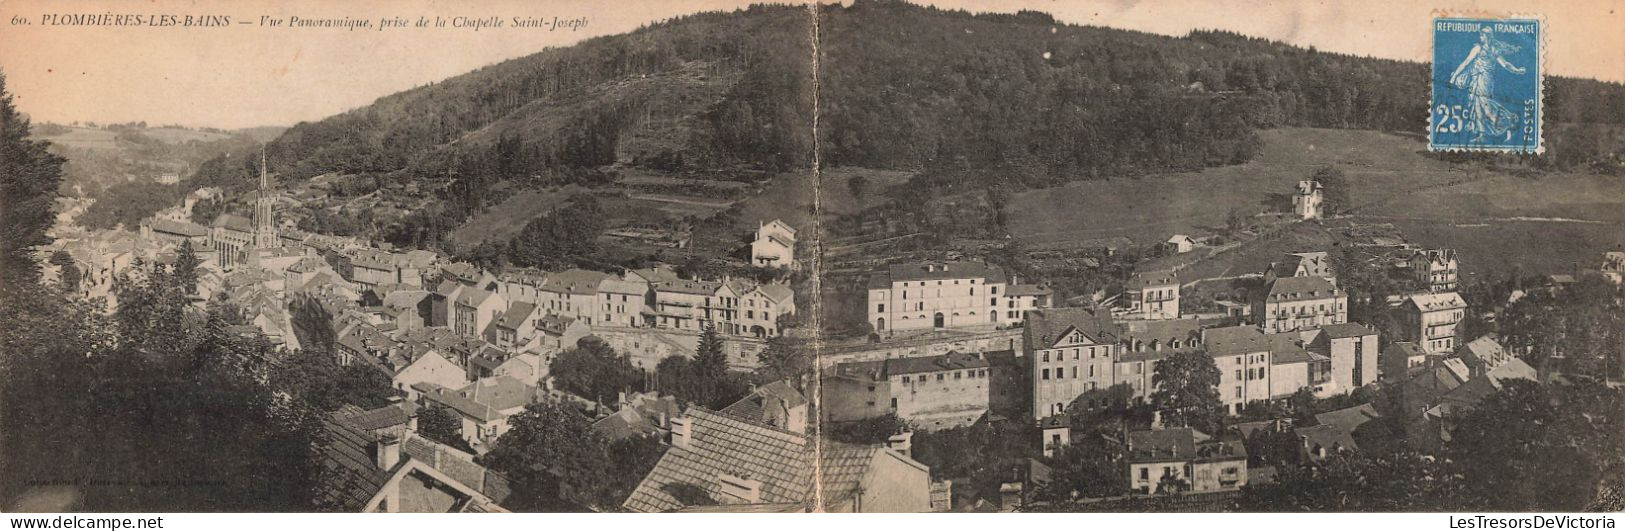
[(1486, 85)]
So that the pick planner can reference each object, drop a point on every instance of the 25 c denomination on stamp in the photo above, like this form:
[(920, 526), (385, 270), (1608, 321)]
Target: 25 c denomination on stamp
[(1487, 76)]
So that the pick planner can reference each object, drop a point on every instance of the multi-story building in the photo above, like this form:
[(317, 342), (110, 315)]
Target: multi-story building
[(1143, 344), (177, 232), (1352, 348), (1072, 353), (1309, 200), (1020, 299), (572, 293), (1183, 455), (930, 392), (475, 310), (1243, 356), (774, 245), (1295, 303), (1430, 320), (1152, 295), (624, 302), (935, 295), (1435, 269)]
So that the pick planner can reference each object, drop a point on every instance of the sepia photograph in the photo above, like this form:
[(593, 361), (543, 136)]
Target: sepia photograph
[(866, 256)]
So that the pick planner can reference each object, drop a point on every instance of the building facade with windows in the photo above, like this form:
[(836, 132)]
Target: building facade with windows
[(1071, 352), (1430, 320), (1297, 303), (928, 296)]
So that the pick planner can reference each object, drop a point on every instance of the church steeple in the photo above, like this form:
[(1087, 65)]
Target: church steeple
[(265, 234)]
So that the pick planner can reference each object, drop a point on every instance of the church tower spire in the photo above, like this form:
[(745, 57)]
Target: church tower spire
[(265, 234)]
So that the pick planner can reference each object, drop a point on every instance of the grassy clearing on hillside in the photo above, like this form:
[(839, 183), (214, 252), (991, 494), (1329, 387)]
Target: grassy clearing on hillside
[(1533, 247), (1151, 208), (504, 220)]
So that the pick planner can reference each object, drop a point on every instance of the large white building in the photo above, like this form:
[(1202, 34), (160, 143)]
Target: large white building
[(928, 296)]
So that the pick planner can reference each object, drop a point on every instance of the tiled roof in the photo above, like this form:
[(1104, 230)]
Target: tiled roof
[(1347, 330), (1170, 444), (178, 227), (944, 271), (842, 467), (1301, 288), (719, 444), (575, 281), (691, 287), (752, 406), (1436, 256), (405, 298), (375, 419), (1429, 302), (1233, 340), (1026, 290), (1163, 331), (516, 315), (1146, 279), (1045, 327), (776, 292), (350, 475), (1349, 418), (640, 415), (951, 361), (613, 285), (485, 399)]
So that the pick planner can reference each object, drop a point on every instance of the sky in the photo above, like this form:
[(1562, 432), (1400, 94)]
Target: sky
[(245, 74)]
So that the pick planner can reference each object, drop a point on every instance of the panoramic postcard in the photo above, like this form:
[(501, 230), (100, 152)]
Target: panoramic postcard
[(876, 256)]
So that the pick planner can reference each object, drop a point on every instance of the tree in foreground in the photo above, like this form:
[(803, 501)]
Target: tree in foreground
[(595, 371), (557, 463), (1187, 393)]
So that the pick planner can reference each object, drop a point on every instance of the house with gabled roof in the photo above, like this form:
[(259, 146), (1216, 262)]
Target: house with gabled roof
[(1072, 353), (1435, 269), (1484, 354), (776, 404), (717, 462), (483, 405), (1305, 264), (365, 470), (774, 245), (1160, 458)]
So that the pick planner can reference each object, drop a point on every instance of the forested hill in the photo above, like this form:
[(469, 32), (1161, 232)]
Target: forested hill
[(954, 95), (911, 87)]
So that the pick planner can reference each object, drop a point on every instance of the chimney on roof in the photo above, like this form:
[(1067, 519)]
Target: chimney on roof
[(388, 452), (902, 443), (682, 433), (740, 488), (930, 268)]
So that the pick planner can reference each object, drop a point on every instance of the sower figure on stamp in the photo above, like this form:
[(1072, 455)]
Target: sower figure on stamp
[(1475, 74)]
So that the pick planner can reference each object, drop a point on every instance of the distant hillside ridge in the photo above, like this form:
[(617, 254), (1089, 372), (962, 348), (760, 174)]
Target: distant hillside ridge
[(964, 100)]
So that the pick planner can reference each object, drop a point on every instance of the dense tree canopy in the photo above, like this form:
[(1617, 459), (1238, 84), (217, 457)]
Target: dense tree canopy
[(1187, 393), (595, 371)]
